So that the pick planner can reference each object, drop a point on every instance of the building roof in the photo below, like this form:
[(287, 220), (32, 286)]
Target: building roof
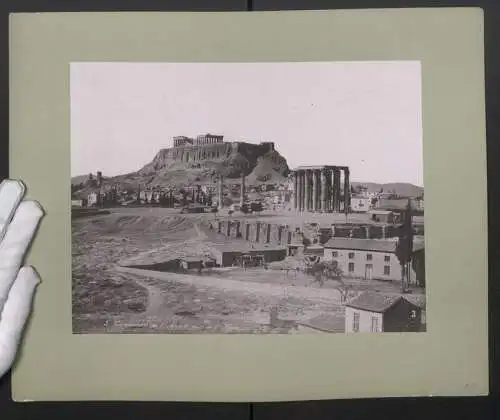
[(318, 167), (373, 301), (417, 300), (395, 203), (375, 245), (195, 258), (246, 247), (381, 302), (326, 323), (376, 211)]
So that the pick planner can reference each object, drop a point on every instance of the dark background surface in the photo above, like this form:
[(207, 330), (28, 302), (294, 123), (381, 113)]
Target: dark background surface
[(386, 409)]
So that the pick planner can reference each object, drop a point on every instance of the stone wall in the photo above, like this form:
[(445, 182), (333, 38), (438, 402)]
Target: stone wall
[(365, 231), (258, 232)]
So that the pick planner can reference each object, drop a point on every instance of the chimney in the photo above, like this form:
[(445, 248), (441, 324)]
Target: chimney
[(99, 178)]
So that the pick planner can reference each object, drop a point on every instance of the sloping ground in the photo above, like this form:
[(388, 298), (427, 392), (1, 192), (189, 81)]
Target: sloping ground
[(261, 165), (265, 172)]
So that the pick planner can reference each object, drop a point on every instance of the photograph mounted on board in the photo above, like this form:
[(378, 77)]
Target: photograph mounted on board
[(282, 197)]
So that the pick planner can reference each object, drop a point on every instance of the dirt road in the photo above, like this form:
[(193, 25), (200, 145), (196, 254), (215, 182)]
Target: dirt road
[(244, 287)]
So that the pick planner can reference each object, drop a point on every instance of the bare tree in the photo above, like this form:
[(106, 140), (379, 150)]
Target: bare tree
[(329, 271)]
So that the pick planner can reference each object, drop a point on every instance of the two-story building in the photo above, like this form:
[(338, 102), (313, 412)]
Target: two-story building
[(374, 259), (380, 312)]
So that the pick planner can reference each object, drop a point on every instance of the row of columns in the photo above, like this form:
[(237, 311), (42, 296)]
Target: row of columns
[(319, 190)]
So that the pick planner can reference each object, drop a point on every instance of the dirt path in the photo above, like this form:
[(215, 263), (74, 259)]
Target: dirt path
[(245, 287), (200, 235), (155, 298)]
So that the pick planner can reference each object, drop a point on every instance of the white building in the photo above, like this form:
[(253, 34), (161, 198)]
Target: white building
[(374, 259), (380, 312), (360, 204), (92, 199)]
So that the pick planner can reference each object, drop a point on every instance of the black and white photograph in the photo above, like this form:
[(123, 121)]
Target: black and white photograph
[(236, 198)]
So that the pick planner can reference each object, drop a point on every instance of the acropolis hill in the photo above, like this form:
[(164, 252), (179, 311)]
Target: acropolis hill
[(205, 157)]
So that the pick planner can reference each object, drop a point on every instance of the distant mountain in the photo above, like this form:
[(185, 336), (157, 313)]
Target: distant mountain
[(402, 189)]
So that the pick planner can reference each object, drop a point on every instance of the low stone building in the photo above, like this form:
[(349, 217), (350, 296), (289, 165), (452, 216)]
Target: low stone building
[(233, 254), (382, 216)]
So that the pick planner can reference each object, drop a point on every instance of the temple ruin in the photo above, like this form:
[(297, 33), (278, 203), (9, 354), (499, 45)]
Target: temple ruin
[(318, 189)]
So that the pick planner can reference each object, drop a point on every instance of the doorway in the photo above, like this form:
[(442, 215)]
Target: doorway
[(368, 271)]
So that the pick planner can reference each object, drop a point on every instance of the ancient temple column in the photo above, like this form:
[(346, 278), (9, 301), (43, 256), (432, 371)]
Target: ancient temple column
[(319, 192), (302, 191), (347, 190), (242, 192), (306, 190), (314, 191), (299, 191), (328, 192), (295, 190), (337, 189), (323, 190), (220, 192), (333, 198)]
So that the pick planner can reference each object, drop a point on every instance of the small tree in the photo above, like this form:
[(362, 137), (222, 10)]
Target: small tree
[(306, 242), (329, 271)]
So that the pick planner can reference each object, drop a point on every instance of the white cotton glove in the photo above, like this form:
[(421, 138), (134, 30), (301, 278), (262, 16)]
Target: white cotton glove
[(18, 222)]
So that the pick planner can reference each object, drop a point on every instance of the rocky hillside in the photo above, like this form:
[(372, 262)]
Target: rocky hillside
[(261, 163)]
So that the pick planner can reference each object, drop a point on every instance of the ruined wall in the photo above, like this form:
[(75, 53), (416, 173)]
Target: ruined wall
[(364, 231), (276, 234), (212, 152), (257, 232)]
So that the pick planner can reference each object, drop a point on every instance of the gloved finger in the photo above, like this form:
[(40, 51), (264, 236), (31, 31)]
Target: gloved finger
[(15, 314), (15, 243), (11, 194)]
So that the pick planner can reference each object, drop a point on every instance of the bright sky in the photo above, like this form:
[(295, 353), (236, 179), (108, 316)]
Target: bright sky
[(366, 115)]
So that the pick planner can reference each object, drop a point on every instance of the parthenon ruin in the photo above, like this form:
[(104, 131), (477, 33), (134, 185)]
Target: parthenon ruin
[(318, 189)]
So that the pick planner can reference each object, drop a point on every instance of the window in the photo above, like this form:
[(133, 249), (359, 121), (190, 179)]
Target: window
[(351, 267), (374, 327), (369, 257), (351, 255), (335, 254), (413, 314), (387, 258), (387, 270), (355, 322)]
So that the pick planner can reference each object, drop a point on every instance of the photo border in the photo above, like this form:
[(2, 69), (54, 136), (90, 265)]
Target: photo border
[(451, 358)]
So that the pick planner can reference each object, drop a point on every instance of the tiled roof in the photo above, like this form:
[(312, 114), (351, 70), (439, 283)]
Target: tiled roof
[(418, 300), (381, 302), (325, 323), (246, 247), (379, 211), (376, 245), (373, 301)]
